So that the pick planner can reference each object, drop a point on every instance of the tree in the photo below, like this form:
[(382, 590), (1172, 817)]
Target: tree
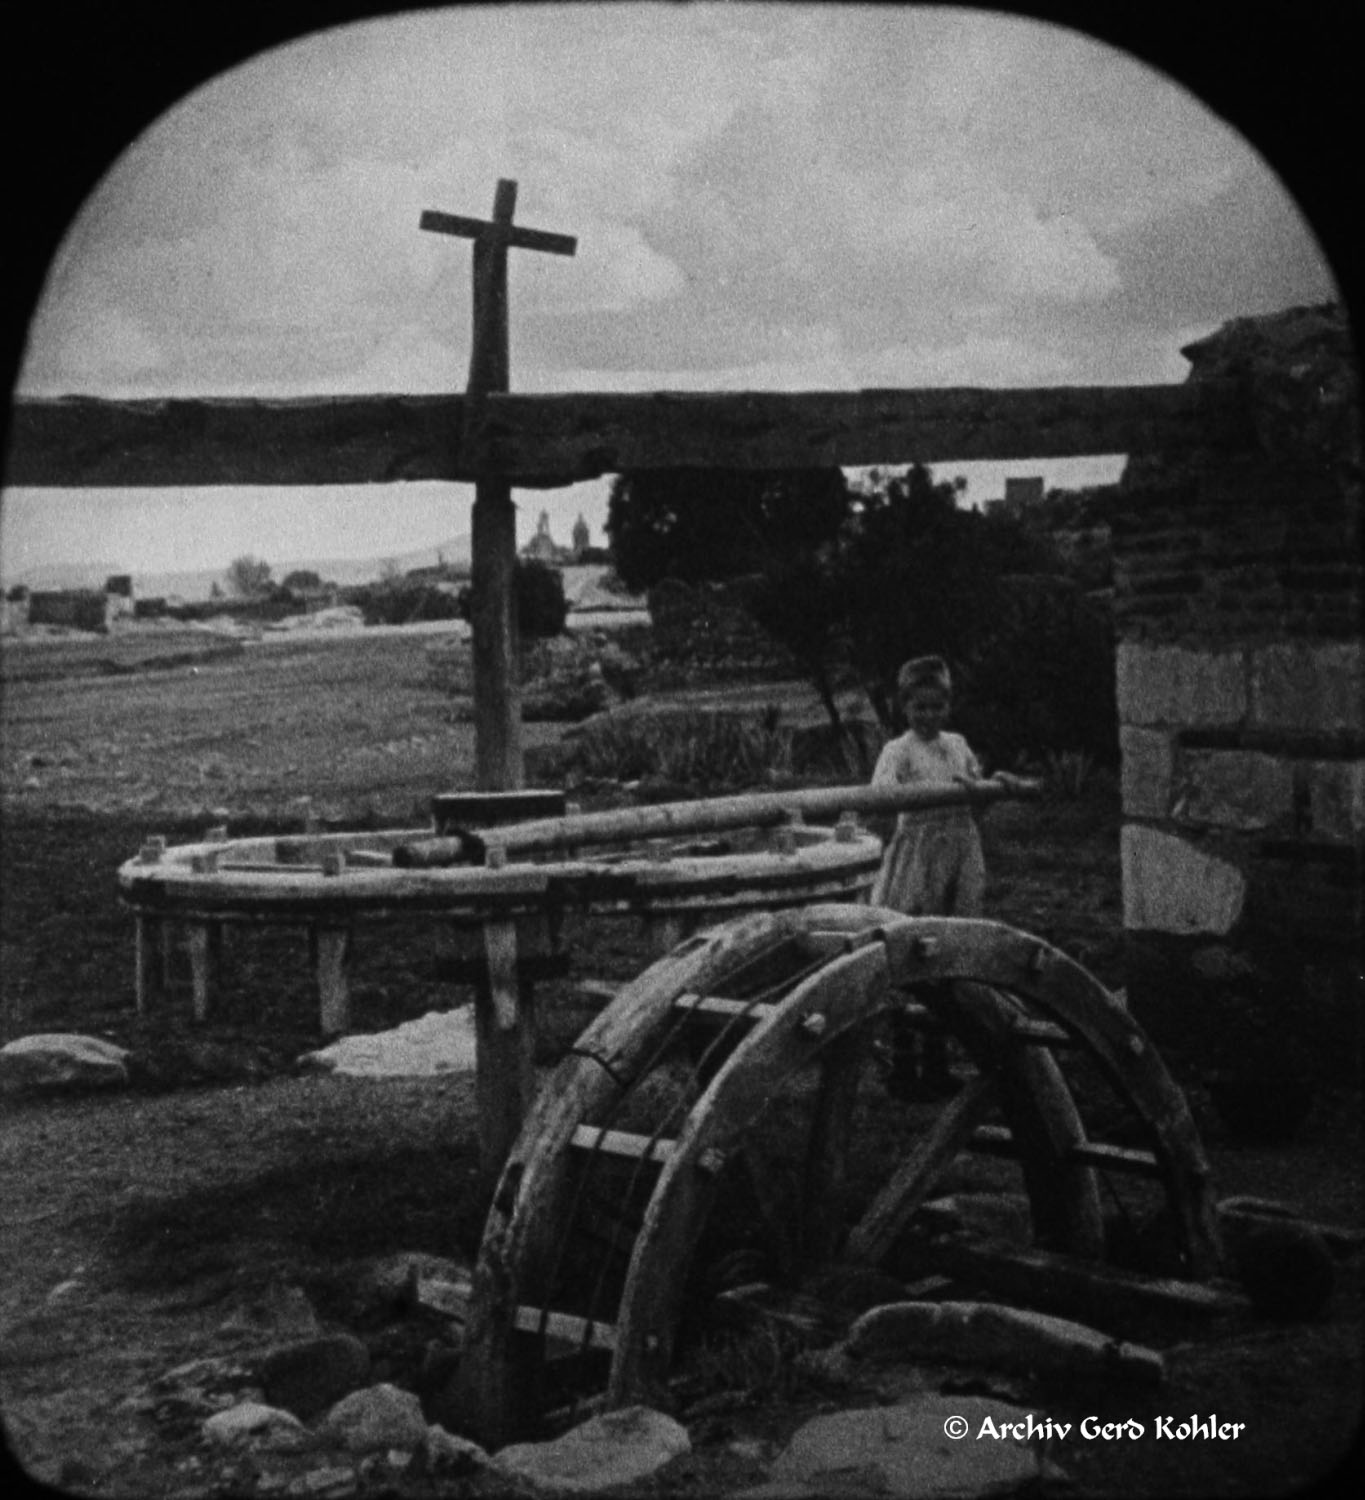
[(700, 525), (300, 579), (540, 603), (912, 573), (248, 576)]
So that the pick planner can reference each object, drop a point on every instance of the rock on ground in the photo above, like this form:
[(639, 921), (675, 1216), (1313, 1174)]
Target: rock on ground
[(903, 1451), (617, 1447), (442, 1041), (258, 1424), (379, 1416), (60, 1059)]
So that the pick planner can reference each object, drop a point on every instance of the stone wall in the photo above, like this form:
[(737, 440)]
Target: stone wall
[(1241, 678)]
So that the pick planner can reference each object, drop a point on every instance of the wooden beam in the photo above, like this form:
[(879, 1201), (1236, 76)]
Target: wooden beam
[(588, 435), (81, 441), (542, 442)]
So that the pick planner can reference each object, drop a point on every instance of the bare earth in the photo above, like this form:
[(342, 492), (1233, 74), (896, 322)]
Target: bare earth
[(148, 1227)]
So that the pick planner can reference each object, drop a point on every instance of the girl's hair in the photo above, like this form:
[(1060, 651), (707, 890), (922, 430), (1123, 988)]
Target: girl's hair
[(924, 671)]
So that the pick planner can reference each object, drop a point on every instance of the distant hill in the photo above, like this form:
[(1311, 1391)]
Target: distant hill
[(198, 583)]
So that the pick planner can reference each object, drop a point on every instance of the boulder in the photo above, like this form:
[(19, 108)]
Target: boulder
[(61, 1060), (414, 1280), (377, 1416), (442, 1041), (451, 1456), (617, 1447), (905, 1450), (259, 1425)]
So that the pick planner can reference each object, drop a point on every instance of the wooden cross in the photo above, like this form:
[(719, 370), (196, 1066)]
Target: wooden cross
[(497, 709)]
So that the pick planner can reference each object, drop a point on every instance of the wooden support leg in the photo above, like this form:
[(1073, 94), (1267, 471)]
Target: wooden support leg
[(505, 1032), (200, 946), (166, 934), (332, 945), (149, 962)]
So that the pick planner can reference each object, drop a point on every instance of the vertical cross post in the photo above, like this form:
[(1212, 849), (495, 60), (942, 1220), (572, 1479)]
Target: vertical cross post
[(497, 696)]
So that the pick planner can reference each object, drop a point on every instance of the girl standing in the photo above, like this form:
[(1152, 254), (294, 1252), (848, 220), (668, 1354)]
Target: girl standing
[(933, 864)]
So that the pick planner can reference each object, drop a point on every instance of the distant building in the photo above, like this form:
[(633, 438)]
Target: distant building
[(543, 548), (80, 609), (118, 592)]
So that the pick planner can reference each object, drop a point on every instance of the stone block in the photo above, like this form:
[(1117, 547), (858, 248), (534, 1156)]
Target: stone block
[(1312, 685), (1171, 886), (1148, 761), (1182, 685), (1336, 798), (1245, 789)]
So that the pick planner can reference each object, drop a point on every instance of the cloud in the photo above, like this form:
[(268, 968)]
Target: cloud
[(760, 194)]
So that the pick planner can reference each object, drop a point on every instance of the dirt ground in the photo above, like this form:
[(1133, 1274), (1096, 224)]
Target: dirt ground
[(175, 1219)]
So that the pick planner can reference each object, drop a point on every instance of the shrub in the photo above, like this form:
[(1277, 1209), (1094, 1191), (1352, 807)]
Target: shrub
[(694, 749)]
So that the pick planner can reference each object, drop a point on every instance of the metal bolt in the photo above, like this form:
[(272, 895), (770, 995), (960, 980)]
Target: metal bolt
[(924, 947), (814, 1024), (333, 862), (785, 841), (152, 850), (711, 1161), (217, 834), (1135, 1046), (495, 856), (846, 829)]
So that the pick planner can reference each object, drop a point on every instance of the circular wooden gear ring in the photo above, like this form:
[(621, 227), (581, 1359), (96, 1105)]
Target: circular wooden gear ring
[(810, 981)]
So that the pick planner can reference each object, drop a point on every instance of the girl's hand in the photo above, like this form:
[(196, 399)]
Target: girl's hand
[(1015, 783)]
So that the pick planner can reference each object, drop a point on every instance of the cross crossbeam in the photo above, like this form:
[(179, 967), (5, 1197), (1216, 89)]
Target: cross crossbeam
[(514, 235)]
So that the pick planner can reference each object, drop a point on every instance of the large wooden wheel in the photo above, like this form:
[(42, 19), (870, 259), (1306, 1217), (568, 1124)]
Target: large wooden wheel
[(714, 1105)]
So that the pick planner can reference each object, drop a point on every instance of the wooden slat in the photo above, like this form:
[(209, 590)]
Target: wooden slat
[(915, 1178), (996, 1140), (546, 441), (566, 1326), (1042, 1034), (720, 1005), (621, 1143)]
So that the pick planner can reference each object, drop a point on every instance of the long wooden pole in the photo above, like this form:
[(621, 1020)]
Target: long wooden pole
[(710, 815)]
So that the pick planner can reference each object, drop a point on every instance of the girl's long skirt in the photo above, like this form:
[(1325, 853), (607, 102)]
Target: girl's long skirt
[(933, 867)]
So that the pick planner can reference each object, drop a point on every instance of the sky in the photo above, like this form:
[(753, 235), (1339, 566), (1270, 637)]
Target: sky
[(768, 196)]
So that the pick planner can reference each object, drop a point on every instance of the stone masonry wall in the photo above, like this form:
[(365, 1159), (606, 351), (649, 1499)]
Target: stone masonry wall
[(1241, 676)]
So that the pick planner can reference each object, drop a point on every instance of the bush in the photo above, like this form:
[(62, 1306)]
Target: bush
[(402, 603), (1041, 684), (541, 606), (695, 749)]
